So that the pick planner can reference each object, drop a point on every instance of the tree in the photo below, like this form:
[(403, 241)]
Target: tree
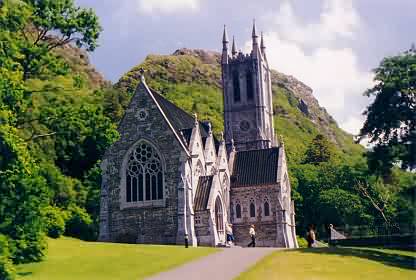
[(23, 196), (320, 150), (42, 26), (391, 118)]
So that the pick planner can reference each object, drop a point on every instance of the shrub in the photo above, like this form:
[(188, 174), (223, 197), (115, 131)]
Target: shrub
[(302, 242), (79, 224), (54, 221), (6, 267)]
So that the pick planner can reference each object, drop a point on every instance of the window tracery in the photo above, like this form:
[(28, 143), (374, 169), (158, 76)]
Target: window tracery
[(144, 174)]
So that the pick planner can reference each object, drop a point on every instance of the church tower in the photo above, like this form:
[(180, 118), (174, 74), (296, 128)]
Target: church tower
[(246, 82)]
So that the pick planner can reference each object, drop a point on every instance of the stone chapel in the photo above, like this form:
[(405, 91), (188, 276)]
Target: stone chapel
[(168, 177)]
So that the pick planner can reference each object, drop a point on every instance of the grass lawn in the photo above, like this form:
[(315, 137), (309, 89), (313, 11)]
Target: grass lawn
[(335, 263), (71, 259)]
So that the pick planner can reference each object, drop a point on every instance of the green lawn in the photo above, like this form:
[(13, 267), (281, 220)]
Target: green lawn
[(335, 263), (71, 259)]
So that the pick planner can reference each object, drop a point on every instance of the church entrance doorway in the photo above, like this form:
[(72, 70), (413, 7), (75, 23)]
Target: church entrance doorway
[(219, 220)]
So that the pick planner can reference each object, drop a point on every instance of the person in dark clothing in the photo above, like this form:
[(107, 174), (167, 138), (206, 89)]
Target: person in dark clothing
[(310, 236), (252, 233)]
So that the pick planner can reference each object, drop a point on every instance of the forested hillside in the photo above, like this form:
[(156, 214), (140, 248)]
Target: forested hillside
[(192, 80), (58, 115)]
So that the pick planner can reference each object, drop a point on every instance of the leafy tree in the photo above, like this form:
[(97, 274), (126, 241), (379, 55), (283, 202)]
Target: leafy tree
[(391, 118), (23, 196), (320, 150), (42, 26)]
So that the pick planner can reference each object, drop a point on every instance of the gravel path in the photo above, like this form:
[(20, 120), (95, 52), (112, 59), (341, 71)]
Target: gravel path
[(224, 265)]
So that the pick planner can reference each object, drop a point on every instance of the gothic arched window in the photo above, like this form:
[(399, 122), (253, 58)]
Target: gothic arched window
[(236, 87), (219, 215), (144, 174), (252, 210), (249, 84), (238, 211), (266, 209)]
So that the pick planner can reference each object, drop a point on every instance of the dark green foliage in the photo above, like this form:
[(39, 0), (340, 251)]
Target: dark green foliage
[(80, 224), (54, 221), (391, 118), (23, 196), (7, 271), (52, 123), (92, 183), (320, 150)]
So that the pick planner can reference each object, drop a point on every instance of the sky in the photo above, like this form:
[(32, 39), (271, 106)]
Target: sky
[(330, 45)]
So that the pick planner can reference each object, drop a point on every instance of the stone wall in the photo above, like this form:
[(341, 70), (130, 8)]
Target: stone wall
[(266, 227), (151, 223)]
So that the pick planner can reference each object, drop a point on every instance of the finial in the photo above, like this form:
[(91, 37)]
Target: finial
[(222, 136), (232, 145), (196, 119), (141, 71), (282, 142), (209, 129), (233, 48), (254, 33)]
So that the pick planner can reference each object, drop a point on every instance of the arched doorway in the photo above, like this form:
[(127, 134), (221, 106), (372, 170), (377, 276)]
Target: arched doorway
[(219, 220)]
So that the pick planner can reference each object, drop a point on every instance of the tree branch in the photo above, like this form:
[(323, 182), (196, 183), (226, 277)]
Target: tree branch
[(33, 137)]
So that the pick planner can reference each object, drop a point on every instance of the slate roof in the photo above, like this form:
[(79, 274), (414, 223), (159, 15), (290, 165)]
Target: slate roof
[(181, 121), (202, 192), (255, 167)]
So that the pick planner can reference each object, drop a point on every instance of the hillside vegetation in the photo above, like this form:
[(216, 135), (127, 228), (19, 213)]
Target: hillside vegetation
[(58, 116), (192, 80)]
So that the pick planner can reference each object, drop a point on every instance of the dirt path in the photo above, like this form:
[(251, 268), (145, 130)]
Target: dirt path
[(224, 265)]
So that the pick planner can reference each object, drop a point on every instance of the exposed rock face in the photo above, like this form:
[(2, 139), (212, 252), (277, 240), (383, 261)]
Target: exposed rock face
[(192, 80), (308, 104)]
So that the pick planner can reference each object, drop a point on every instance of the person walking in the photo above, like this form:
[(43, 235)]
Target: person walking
[(310, 237), (229, 232), (252, 233)]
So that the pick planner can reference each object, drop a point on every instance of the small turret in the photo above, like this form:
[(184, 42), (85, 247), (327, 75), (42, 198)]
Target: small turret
[(224, 58), (254, 37), (233, 48)]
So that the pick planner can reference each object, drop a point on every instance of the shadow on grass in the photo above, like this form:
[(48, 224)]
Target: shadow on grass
[(396, 260), (24, 273)]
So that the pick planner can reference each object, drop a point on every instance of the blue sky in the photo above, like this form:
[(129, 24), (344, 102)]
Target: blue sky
[(331, 45)]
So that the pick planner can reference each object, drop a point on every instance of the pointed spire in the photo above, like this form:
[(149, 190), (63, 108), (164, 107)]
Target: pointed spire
[(262, 46), (255, 43), (281, 140), (225, 37), (233, 48), (196, 119), (232, 145), (224, 57), (209, 129), (141, 71), (254, 33)]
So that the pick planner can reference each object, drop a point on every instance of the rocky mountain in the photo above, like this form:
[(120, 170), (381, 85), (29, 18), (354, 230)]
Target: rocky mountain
[(192, 80)]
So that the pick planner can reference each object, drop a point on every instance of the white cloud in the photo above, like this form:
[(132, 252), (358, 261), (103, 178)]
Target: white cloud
[(166, 6), (319, 55)]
